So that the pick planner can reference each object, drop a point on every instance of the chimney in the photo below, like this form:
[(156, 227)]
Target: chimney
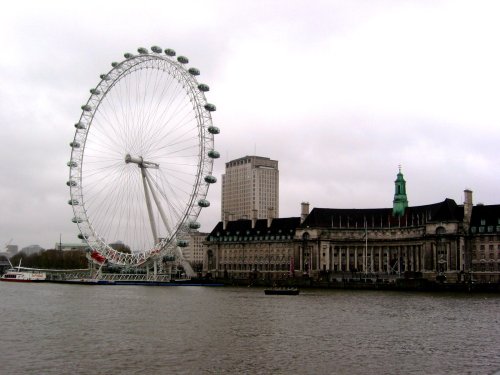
[(224, 222), (467, 208), (254, 217), (304, 211), (270, 216)]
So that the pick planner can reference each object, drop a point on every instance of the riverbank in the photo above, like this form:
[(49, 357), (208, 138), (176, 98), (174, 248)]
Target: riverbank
[(420, 284)]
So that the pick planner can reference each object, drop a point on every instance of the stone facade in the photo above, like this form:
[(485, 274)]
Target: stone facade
[(427, 239), (245, 249), (454, 242)]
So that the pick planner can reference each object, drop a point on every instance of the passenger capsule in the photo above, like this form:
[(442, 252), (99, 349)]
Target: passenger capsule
[(194, 71), (73, 202), (210, 107), (76, 219), (128, 55), (170, 52), (194, 225), (183, 59), (75, 144), (168, 258), (156, 49), (105, 77), (80, 125), (214, 154), (203, 203), (210, 179), (182, 243), (86, 108), (213, 129), (203, 87), (114, 64), (71, 183), (82, 236), (72, 164), (95, 92), (142, 51)]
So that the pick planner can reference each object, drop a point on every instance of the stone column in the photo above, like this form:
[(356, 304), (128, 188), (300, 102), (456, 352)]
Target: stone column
[(340, 258), (405, 257), (399, 259), (448, 258), (422, 255), (388, 265), (413, 258), (348, 259), (380, 258), (371, 259), (356, 257), (301, 257), (434, 257)]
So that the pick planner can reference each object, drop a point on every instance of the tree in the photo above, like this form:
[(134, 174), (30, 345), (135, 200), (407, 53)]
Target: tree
[(52, 259)]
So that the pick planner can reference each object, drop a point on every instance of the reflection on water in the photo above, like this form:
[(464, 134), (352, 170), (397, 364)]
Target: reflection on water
[(55, 329)]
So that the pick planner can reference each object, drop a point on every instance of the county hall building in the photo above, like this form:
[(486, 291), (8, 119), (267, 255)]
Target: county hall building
[(443, 239)]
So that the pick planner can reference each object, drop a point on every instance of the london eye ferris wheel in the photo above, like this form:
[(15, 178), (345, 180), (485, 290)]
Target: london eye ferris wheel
[(141, 158)]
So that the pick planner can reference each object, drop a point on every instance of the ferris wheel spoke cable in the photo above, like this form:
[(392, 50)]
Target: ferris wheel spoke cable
[(171, 199), (170, 211), (167, 100), (118, 210), (109, 128), (172, 138), (149, 116), (179, 105), (103, 149), (101, 199), (157, 119), (164, 141), (159, 206)]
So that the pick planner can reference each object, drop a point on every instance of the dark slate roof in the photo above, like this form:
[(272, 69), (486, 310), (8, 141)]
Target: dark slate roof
[(490, 214), (279, 226), (447, 210)]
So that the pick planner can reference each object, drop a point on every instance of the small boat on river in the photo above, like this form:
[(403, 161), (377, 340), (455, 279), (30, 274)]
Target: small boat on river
[(282, 291), (17, 275)]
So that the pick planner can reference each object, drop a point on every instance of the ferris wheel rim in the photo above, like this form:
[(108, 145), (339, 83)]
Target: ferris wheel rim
[(205, 161)]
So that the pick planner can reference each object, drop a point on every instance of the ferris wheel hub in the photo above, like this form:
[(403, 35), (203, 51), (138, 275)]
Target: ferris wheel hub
[(139, 160)]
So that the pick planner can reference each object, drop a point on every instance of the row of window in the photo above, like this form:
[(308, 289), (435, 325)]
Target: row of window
[(256, 266), (482, 247), (483, 229), (249, 238), (482, 255)]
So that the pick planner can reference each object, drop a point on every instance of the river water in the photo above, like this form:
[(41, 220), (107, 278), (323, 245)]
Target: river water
[(75, 329)]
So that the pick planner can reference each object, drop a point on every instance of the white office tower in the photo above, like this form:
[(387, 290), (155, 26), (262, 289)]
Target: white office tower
[(250, 188)]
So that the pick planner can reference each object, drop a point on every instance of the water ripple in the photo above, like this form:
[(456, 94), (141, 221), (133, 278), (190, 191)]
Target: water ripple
[(66, 329)]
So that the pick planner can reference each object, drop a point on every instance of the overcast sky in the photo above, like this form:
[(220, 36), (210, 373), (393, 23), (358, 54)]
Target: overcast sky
[(339, 92)]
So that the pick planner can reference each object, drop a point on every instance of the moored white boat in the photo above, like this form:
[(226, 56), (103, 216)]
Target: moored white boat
[(23, 276)]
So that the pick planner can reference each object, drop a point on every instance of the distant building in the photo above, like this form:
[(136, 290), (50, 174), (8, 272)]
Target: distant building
[(66, 246), (195, 251), (257, 248), (32, 249), (250, 188)]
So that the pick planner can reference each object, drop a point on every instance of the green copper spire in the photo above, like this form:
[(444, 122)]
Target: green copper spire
[(400, 202)]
